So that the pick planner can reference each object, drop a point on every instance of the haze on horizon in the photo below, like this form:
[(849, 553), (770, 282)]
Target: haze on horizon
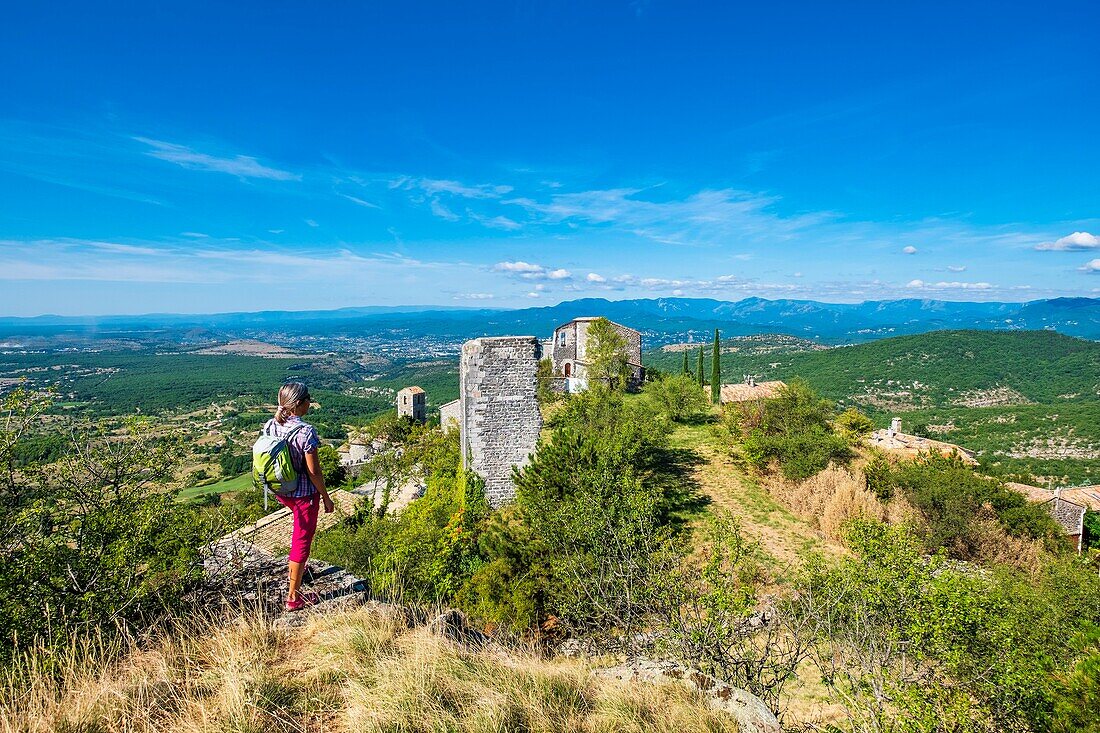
[(198, 158)]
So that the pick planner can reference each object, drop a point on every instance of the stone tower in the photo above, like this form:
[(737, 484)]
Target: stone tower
[(499, 409), (412, 403)]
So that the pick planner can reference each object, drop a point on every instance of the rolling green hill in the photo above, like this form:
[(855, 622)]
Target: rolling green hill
[(1026, 402), (963, 368)]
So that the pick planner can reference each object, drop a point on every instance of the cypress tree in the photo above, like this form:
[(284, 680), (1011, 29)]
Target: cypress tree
[(700, 375), (687, 369), (716, 372)]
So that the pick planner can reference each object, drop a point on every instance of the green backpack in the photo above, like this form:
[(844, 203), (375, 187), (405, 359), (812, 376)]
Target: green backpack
[(272, 467)]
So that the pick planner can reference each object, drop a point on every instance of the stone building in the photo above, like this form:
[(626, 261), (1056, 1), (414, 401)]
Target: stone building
[(569, 356), (499, 411), (892, 440), (1066, 506), (412, 403), (450, 415)]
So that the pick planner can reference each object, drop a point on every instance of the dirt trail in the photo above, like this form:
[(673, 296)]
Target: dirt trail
[(786, 537)]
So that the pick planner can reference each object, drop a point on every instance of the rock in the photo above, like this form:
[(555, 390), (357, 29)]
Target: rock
[(751, 714), (454, 626)]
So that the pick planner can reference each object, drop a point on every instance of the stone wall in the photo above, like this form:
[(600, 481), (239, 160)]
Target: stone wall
[(499, 408), (450, 415)]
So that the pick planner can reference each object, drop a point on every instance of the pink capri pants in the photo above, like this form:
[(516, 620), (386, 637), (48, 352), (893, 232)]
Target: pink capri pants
[(304, 509)]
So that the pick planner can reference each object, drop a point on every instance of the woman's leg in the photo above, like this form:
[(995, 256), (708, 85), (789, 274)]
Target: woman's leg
[(304, 510)]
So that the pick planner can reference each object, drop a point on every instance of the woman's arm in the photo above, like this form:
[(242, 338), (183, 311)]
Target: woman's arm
[(313, 468)]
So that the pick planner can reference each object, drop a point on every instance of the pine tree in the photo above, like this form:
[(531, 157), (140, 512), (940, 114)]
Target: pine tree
[(700, 374), (716, 372), (687, 368)]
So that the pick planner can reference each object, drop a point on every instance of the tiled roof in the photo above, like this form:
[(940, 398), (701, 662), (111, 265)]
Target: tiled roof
[(911, 445), (412, 390), (744, 392)]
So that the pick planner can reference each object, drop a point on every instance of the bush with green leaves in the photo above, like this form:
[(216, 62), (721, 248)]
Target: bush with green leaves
[(427, 552), (677, 396), (950, 496), (578, 541), (715, 616), (853, 424), (94, 540), (908, 642), (793, 429)]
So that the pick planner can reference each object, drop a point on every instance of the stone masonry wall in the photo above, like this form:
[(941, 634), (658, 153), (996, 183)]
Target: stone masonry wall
[(500, 410)]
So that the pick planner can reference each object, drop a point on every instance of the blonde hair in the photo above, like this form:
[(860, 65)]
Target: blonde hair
[(291, 395)]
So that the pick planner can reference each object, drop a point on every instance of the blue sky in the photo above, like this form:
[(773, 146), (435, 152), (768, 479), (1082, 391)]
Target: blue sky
[(199, 157)]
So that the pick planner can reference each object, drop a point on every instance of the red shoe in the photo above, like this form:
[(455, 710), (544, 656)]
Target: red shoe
[(303, 600)]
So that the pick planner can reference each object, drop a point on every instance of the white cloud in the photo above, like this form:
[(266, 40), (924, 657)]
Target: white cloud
[(442, 211), (214, 263), (1071, 242), (953, 285), (433, 186), (1090, 266), (531, 271), (957, 268), (909, 250), (708, 218), (518, 266), (533, 295), (312, 223), (494, 222), (475, 296), (242, 166), (361, 202), (195, 235), (595, 278)]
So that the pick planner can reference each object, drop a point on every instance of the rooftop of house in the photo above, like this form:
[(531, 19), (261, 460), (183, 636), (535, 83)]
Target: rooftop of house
[(749, 390), (588, 319), (910, 445), (412, 390), (1085, 496)]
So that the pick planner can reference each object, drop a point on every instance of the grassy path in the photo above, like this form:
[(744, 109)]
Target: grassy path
[(785, 537)]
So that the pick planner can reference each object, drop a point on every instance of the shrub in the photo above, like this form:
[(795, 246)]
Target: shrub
[(908, 642), (950, 498), (96, 541), (715, 617), (677, 396), (793, 429), (853, 424)]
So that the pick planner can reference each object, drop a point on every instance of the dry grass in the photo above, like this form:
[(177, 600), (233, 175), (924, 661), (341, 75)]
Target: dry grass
[(829, 499), (353, 671)]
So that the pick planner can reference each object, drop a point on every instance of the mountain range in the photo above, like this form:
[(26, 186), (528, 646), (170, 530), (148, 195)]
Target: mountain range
[(661, 319)]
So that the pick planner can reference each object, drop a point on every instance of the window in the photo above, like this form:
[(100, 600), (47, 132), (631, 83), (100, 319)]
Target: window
[(561, 339)]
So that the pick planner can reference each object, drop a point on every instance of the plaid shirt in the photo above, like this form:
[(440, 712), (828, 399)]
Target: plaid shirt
[(302, 442)]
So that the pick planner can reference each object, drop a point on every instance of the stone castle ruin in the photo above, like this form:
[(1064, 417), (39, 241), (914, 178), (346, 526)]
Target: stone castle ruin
[(499, 417)]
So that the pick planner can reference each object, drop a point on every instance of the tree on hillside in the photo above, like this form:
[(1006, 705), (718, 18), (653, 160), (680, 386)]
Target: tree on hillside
[(716, 372), (687, 367), (606, 354), (699, 376)]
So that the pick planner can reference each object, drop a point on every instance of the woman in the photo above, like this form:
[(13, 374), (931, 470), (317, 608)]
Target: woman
[(305, 500)]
